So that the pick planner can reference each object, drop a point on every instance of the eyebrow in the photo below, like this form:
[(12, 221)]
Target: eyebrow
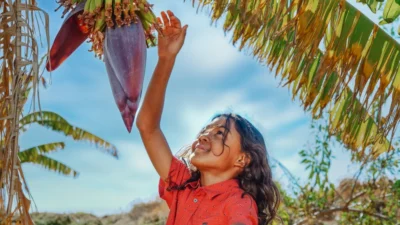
[(212, 126), (217, 126)]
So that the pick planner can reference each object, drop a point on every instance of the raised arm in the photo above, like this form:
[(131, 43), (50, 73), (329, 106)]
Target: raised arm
[(149, 116)]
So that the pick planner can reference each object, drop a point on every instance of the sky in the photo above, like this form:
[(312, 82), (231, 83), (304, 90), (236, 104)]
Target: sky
[(210, 76)]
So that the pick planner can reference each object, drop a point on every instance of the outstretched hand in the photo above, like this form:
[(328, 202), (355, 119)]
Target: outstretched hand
[(172, 36)]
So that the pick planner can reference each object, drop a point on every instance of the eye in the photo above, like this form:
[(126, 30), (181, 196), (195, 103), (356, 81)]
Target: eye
[(220, 132)]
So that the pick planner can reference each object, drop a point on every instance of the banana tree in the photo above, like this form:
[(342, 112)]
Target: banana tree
[(58, 124), (331, 56), (19, 60)]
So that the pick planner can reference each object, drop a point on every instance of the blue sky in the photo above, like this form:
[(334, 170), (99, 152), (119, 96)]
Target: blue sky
[(210, 76)]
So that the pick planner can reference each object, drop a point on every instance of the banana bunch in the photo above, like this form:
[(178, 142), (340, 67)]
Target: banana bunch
[(99, 14)]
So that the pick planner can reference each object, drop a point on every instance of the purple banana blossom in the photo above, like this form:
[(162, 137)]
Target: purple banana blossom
[(71, 35), (125, 58)]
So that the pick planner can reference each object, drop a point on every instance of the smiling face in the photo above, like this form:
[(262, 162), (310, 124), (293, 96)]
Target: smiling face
[(210, 153)]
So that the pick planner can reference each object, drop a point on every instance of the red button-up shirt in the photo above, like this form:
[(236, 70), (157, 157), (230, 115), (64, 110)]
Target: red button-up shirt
[(217, 204)]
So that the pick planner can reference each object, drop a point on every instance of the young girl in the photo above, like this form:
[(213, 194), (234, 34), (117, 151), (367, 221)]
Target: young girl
[(228, 180)]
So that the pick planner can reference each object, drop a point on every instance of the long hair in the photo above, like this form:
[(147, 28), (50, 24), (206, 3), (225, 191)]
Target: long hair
[(256, 177)]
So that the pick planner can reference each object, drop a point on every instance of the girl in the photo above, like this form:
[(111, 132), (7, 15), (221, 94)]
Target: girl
[(228, 179)]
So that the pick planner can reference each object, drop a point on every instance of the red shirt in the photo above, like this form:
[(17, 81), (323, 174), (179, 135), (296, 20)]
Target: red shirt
[(217, 204)]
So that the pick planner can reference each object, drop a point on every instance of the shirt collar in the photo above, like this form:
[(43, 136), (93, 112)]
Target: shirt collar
[(214, 189)]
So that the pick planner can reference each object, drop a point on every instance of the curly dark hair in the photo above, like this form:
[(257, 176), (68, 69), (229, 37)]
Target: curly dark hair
[(256, 178)]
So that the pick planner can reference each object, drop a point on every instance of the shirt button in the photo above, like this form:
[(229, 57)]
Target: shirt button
[(195, 200)]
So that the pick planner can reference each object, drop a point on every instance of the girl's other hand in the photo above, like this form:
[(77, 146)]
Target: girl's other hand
[(172, 35)]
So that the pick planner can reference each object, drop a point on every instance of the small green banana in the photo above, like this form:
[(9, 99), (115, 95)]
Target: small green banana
[(108, 5), (117, 8), (117, 13), (100, 22), (97, 35), (125, 10), (92, 7), (83, 17), (132, 11), (109, 12), (87, 5), (87, 14), (125, 3), (98, 6)]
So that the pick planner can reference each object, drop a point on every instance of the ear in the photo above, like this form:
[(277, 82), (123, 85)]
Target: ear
[(243, 160)]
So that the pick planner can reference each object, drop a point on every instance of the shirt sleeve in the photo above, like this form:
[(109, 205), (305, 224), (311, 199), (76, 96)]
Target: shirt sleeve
[(177, 175), (241, 211)]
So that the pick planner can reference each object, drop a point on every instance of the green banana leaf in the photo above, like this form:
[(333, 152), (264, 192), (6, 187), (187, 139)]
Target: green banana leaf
[(331, 55), (41, 149), (57, 123), (34, 155)]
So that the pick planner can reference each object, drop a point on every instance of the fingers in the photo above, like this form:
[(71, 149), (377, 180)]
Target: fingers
[(165, 19), (161, 26), (170, 24), (185, 29), (159, 21), (183, 34), (175, 22), (169, 19)]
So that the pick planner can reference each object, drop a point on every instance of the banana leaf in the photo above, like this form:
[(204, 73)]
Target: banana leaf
[(57, 123), (35, 155), (331, 56)]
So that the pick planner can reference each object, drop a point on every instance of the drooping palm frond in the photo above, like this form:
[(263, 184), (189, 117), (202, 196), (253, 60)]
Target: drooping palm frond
[(57, 123), (35, 155), (330, 54), (31, 153), (48, 163)]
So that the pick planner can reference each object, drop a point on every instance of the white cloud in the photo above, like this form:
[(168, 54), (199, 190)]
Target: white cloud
[(291, 141), (209, 53), (272, 116), (195, 116), (135, 157)]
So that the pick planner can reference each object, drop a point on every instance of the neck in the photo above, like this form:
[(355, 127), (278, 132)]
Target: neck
[(208, 178)]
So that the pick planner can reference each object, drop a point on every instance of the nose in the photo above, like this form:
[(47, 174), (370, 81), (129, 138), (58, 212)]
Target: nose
[(204, 138)]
